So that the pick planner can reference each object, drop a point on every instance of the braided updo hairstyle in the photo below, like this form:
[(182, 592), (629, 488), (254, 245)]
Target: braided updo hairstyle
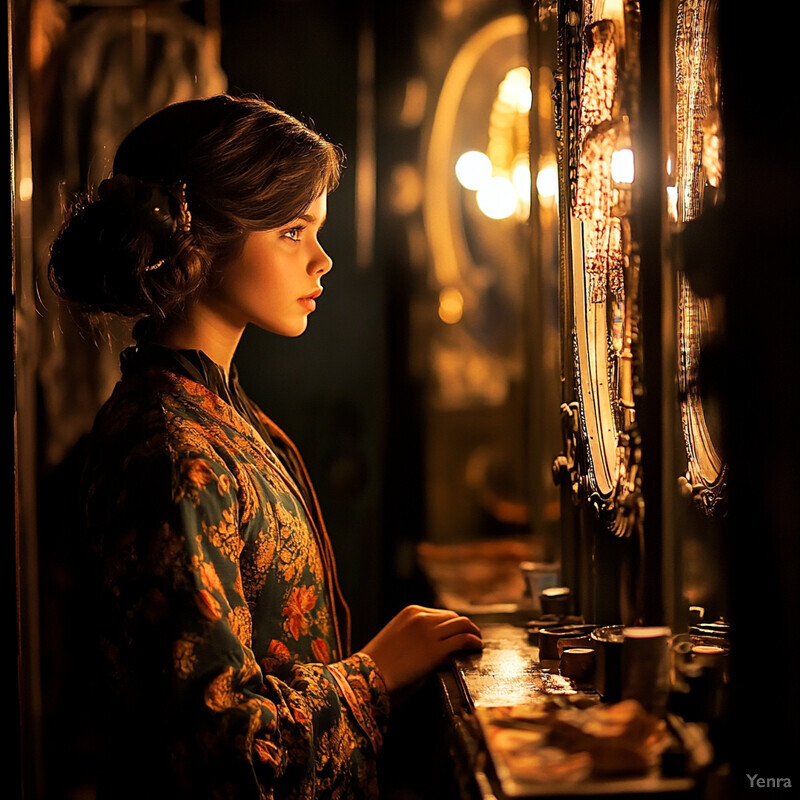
[(189, 183)]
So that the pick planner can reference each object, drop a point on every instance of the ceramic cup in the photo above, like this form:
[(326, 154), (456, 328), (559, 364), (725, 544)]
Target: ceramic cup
[(556, 600), (607, 644), (646, 666), (572, 641), (549, 637), (577, 664)]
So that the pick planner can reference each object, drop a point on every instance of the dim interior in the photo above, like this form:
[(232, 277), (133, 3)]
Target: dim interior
[(546, 387)]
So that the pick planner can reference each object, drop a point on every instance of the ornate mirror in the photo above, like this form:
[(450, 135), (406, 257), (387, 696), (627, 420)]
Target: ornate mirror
[(597, 98), (696, 170)]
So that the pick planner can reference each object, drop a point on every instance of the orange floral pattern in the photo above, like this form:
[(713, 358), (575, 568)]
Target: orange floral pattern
[(220, 616), (302, 600)]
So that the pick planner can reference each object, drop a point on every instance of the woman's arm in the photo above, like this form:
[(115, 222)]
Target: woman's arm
[(184, 624)]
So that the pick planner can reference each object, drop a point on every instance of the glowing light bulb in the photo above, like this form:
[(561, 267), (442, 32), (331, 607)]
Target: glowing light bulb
[(497, 198), (473, 169), (622, 166)]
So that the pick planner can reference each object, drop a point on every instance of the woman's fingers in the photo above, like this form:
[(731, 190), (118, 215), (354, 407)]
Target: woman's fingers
[(465, 641), (417, 640), (457, 625)]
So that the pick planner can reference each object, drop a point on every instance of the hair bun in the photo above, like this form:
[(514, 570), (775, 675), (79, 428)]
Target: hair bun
[(110, 247), (146, 205)]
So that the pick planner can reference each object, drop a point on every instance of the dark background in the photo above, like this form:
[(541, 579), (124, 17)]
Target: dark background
[(345, 393)]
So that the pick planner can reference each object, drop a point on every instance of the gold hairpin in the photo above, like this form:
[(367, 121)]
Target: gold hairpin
[(154, 266), (185, 223)]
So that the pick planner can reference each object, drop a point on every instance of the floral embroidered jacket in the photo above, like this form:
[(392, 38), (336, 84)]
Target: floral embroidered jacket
[(221, 615)]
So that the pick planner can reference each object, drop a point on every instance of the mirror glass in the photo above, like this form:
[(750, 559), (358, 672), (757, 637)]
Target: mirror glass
[(600, 269), (696, 171), (476, 205)]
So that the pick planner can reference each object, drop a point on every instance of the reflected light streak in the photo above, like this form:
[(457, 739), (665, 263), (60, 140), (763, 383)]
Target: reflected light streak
[(672, 203), (25, 189), (521, 178)]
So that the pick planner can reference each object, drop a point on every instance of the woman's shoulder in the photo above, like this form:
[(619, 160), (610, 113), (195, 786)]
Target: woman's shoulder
[(160, 413)]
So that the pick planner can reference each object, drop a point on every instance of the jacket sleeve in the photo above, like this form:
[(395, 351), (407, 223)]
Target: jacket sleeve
[(232, 728)]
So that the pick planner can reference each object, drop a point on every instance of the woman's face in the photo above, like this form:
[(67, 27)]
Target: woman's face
[(275, 280)]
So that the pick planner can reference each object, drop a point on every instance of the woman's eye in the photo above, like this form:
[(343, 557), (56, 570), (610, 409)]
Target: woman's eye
[(294, 234)]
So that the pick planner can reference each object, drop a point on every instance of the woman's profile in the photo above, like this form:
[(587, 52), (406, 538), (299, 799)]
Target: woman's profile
[(223, 626)]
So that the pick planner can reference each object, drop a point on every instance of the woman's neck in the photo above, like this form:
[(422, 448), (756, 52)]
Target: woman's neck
[(200, 328)]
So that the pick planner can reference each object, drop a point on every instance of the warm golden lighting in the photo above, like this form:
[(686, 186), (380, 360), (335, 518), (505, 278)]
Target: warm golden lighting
[(672, 203), (497, 198), (473, 169), (451, 305), (25, 189), (521, 178), (515, 90), (547, 180), (622, 166)]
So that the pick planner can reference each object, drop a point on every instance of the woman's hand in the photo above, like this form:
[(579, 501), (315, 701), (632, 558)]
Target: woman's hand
[(417, 640)]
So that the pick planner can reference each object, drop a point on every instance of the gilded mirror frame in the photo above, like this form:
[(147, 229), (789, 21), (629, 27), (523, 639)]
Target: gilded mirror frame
[(596, 104)]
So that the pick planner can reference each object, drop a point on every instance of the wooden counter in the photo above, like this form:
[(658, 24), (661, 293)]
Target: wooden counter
[(506, 675)]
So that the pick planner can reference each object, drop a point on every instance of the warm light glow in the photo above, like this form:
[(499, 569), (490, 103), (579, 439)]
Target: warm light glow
[(521, 178), (473, 169), (451, 305), (547, 180), (672, 203), (25, 189), (515, 90), (622, 166), (497, 198)]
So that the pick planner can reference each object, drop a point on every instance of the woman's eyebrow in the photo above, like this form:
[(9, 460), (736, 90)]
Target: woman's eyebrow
[(311, 219)]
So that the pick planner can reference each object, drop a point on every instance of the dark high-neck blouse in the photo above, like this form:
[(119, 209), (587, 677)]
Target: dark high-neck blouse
[(197, 366)]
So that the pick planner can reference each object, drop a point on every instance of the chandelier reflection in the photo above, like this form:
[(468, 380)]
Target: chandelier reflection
[(501, 177)]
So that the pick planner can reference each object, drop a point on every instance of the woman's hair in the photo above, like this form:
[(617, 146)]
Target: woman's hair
[(188, 184)]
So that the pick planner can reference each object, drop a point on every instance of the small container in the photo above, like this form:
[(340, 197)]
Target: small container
[(556, 600), (646, 666), (577, 664), (548, 639), (710, 655), (572, 641), (607, 644), (539, 575)]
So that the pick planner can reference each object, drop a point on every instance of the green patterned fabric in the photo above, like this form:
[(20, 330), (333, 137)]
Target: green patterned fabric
[(222, 620)]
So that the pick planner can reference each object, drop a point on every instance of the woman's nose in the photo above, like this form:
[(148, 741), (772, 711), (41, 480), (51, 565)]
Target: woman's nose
[(321, 263)]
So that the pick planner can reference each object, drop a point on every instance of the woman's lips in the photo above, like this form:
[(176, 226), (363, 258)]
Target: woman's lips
[(309, 302)]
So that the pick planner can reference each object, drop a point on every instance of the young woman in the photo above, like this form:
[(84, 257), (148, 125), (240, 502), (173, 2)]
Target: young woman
[(224, 628)]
